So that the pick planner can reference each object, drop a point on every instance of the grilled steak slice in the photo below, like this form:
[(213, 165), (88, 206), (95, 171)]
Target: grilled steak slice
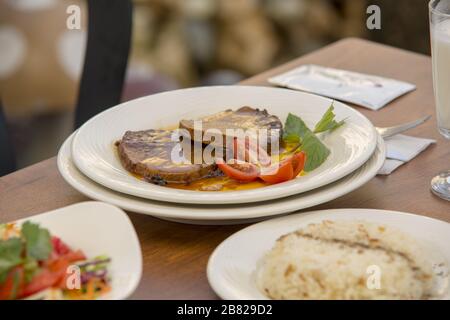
[(245, 118), (148, 154)]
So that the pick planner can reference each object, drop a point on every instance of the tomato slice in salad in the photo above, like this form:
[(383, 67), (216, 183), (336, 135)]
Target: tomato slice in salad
[(73, 256), (59, 246), (12, 287), (244, 172), (47, 277)]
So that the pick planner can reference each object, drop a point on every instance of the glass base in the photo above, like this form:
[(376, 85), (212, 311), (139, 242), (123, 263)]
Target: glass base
[(445, 132), (440, 185)]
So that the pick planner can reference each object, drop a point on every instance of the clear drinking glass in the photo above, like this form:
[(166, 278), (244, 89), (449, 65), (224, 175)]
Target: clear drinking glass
[(440, 47)]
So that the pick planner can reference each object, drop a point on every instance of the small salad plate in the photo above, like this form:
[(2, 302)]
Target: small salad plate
[(96, 156), (95, 230), (232, 268)]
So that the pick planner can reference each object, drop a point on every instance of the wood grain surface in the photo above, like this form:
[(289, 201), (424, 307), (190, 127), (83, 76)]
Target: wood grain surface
[(175, 255)]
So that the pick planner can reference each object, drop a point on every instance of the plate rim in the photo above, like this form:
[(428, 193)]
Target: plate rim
[(232, 197), (201, 217), (211, 270)]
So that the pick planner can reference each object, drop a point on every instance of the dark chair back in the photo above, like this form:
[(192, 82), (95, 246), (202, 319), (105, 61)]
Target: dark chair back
[(7, 163), (105, 64), (108, 45)]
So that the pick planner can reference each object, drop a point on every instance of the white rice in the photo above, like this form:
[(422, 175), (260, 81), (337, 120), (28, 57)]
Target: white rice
[(346, 260)]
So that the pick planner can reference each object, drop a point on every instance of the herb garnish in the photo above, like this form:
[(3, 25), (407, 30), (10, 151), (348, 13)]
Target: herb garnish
[(10, 256), (37, 241), (327, 123), (34, 245), (296, 131)]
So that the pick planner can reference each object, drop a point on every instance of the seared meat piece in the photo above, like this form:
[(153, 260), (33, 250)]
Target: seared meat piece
[(148, 154), (245, 118)]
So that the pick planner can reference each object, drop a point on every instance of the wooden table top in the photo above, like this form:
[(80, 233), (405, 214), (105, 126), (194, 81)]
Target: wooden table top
[(175, 255)]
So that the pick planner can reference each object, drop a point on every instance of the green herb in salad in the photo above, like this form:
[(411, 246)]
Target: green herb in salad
[(35, 243), (10, 256), (38, 241), (296, 131), (30, 267)]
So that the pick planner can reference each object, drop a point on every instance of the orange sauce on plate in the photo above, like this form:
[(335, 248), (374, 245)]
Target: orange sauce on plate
[(213, 184), (218, 184)]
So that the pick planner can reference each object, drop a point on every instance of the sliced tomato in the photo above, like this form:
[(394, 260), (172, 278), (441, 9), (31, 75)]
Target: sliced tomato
[(245, 172), (74, 256), (286, 170), (43, 280), (298, 163), (59, 246), (47, 277), (13, 285), (283, 172)]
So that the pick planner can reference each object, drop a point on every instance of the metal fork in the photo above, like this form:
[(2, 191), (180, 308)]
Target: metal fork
[(392, 131)]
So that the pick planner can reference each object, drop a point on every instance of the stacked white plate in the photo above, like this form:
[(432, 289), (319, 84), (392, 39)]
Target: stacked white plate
[(88, 159)]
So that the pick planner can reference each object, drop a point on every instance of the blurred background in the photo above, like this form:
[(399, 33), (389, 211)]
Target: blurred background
[(176, 43)]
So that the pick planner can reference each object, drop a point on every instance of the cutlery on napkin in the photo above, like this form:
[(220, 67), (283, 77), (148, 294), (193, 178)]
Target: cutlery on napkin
[(401, 149)]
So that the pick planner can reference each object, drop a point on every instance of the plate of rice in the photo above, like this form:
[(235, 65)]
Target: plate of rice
[(340, 254)]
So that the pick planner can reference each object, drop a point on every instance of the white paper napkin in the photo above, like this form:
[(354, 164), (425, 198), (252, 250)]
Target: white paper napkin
[(401, 149), (389, 166), (362, 89)]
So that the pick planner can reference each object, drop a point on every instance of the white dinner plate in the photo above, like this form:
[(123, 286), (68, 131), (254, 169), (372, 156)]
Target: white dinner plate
[(231, 267), (99, 228), (218, 214), (96, 156)]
